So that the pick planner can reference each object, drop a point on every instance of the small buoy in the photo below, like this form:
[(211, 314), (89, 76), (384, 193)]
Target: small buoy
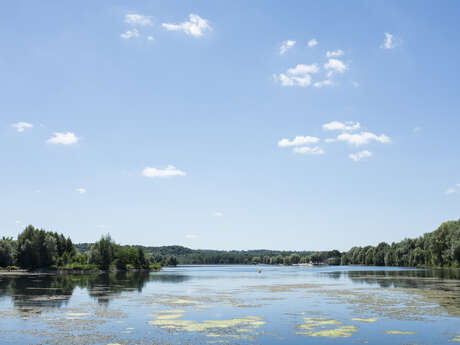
[(260, 271)]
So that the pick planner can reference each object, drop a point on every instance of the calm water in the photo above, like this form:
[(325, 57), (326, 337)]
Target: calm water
[(234, 305)]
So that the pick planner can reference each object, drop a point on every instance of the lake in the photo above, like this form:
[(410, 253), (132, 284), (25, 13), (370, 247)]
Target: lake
[(234, 305)]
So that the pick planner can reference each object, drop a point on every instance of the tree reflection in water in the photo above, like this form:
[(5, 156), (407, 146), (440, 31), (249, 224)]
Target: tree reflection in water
[(33, 292)]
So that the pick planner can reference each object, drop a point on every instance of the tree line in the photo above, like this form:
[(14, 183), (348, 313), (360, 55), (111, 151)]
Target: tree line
[(36, 249), (440, 248)]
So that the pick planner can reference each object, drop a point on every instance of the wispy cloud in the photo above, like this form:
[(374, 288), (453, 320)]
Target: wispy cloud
[(453, 190), (191, 236), (355, 83), (320, 84), (313, 42), (341, 126), (360, 155), (21, 126), (298, 141), (335, 66), (138, 19), (68, 138), (169, 171), (195, 26), (130, 34), (80, 190), (334, 53), (309, 150), (363, 138), (300, 75), (218, 214), (286, 45), (388, 42)]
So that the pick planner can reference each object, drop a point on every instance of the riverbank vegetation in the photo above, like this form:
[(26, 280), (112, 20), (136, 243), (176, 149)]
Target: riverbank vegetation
[(36, 249), (39, 249), (440, 248)]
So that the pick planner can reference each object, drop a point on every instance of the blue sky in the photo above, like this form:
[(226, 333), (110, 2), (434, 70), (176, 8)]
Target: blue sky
[(175, 122)]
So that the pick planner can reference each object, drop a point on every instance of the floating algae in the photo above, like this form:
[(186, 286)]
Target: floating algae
[(339, 332), (315, 327), (400, 332), (196, 326), (456, 339), (169, 316), (77, 314), (364, 320)]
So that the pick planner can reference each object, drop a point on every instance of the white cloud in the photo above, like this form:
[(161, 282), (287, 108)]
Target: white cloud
[(453, 190), (363, 138), (169, 171), (196, 26), (341, 126), (298, 141), (330, 140), (300, 75), (191, 236), (138, 19), (18, 222), (335, 53), (320, 84), (130, 34), (335, 66), (313, 42), (360, 155), (68, 138), (286, 45), (355, 83), (21, 126), (309, 150), (81, 190), (218, 214), (150, 38), (388, 41)]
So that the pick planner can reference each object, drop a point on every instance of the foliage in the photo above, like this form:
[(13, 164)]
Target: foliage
[(440, 248), (39, 248)]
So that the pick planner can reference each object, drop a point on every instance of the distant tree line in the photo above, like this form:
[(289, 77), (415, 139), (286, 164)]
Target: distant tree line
[(37, 249), (440, 248)]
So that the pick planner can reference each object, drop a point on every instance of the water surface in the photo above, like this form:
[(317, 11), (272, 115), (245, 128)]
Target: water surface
[(234, 305)]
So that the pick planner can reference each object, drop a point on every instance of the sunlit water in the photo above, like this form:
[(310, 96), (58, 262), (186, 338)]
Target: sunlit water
[(234, 305)]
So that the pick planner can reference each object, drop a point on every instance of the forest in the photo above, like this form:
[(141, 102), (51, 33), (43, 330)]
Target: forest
[(39, 249), (440, 248), (36, 248)]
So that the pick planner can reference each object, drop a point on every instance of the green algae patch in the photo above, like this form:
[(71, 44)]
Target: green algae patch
[(339, 332), (400, 332), (169, 316), (364, 320), (456, 339), (322, 327), (195, 326), (78, 314)]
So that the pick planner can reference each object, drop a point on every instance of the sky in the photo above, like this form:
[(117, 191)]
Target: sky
[(296, 125)]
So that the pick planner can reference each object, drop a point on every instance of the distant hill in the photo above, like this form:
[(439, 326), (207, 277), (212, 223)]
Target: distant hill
[(186, 255)]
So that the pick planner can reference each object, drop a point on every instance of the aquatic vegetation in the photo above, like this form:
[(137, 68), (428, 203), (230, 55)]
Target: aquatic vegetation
[(364, 320), (201, 326), (339, 332), (78, 314), (400, 332), (321, 327)]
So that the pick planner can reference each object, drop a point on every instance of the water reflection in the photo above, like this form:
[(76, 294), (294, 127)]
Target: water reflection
[(441, 286), (29, 292)]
